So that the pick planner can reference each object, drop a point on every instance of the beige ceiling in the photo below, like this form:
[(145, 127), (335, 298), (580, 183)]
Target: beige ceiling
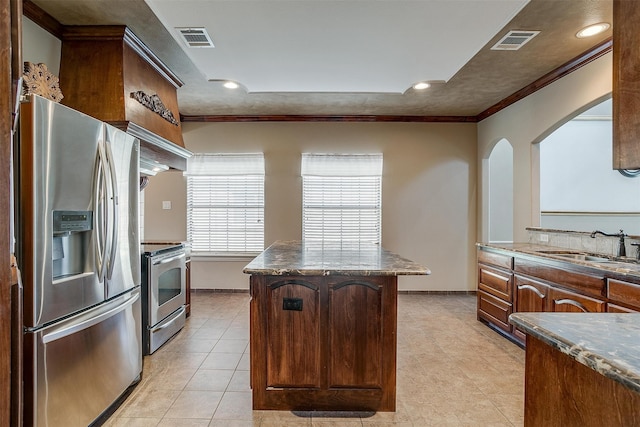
[(346, 46), (486, 78)]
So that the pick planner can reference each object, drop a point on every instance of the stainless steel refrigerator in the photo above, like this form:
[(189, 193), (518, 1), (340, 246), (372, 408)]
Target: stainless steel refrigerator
[(78, 250)]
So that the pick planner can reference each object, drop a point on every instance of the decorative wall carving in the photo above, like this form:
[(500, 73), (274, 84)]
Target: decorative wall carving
[(155, 104), (38, 80)]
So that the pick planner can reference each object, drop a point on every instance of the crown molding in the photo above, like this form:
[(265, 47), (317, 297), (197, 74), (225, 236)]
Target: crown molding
[(50, 24), (326, 118), (560, 72), (42, 18)]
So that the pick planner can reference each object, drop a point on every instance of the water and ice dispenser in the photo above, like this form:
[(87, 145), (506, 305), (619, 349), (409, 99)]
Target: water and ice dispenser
[(71, 238)]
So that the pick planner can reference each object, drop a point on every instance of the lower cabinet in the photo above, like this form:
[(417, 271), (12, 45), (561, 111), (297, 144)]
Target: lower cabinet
[(564, 301), (323, 342), (530, 296), (495, 284), (614, 308), (188, 287), (494, 310), (625, 296), (532, 286)]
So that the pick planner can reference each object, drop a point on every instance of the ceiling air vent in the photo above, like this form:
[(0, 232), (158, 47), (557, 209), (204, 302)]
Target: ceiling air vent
[(195, 37), (514, 40)]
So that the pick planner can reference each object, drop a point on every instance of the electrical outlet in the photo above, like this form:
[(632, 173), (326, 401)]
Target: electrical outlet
[(544, 237), (294, 304), (166, 204)]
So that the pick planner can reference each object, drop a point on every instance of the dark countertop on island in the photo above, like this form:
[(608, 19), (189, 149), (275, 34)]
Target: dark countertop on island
[(294, 257), (608, 343)]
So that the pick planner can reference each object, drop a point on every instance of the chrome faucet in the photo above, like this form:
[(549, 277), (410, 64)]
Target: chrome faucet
[(622, 251)]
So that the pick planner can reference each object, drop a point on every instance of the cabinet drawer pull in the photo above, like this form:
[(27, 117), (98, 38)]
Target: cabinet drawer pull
[(532, 288), (571, 302)]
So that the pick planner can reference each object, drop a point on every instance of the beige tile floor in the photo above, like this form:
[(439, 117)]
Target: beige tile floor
[(452, 371)]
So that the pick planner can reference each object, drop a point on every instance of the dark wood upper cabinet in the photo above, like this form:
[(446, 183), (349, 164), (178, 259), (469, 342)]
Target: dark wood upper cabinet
[(109, 73), (626, 84)]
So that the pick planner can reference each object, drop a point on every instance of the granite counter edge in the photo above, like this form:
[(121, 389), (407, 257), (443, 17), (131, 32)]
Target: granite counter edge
[(574, 350), (333, 272)]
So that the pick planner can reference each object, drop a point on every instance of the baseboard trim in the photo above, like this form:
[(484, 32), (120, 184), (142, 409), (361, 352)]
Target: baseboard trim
[(220, 291), (437, 292), (246, 291)]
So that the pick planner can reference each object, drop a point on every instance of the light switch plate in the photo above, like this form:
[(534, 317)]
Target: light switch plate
[(166, 204)]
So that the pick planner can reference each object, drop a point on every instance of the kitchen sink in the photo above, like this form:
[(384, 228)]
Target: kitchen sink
[(584, 257), (560, 252), (621, 264), (576, 255)]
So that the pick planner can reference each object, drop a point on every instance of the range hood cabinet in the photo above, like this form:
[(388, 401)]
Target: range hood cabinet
[(108, 73)]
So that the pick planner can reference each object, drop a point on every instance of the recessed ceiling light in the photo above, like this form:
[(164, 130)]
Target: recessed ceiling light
[(421, 86), (231, 85), (592, 30)]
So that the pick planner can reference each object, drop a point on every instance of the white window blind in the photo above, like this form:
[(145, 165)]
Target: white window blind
[(342, 197), (225, 203)]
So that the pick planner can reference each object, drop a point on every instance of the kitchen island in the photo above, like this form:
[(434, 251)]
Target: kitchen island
[(581, 369), (323, 326)]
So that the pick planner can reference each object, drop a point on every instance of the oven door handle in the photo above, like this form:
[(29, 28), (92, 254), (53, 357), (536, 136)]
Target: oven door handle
[(168, 260), (175, 316)]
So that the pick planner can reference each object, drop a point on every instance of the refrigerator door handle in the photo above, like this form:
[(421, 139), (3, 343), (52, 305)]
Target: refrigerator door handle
[(99, 214), (113, 218), (85, 324)]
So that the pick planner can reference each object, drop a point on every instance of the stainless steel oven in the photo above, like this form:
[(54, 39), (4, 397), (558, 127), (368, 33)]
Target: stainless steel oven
[(163, 293)]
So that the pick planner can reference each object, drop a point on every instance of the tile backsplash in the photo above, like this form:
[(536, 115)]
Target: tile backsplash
[(582, 241)]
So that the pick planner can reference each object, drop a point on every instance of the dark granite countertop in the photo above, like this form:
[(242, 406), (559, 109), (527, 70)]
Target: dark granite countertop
[(331, 258), (608, 343), (626, 266)]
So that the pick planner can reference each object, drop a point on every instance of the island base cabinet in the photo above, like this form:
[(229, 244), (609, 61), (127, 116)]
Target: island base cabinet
[(323, 343), (562, 392)]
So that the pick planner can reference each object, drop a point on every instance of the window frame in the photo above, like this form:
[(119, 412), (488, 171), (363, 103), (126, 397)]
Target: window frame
[(232, 201), (340, 176)]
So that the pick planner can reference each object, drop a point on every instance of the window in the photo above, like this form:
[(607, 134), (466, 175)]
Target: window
[(225, 203), (341, 197)]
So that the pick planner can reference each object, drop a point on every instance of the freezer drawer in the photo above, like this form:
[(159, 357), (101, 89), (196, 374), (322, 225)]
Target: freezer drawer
[(75, 369)]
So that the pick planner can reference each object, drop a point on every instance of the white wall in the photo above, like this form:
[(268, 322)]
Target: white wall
[(39, 46), (573, 192), (428, 192), (165, 224), (528, 121), (501, 193)]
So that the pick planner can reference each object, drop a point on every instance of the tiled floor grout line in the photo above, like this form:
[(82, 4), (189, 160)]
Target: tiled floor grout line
[(438, 331)]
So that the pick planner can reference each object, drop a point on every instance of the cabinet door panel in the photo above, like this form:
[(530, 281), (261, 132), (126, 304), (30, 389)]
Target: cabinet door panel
[(586, 283), (566, 301), (293, 353), (355, 335), (531, 295)]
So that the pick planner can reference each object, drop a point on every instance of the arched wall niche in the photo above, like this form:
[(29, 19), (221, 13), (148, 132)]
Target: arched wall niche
[(500, 191), (526, 123)]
